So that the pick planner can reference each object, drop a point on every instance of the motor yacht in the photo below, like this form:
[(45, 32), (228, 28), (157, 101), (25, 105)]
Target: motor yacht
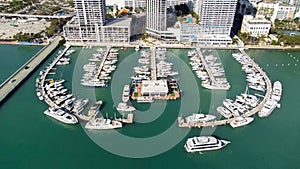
[(204, 143)]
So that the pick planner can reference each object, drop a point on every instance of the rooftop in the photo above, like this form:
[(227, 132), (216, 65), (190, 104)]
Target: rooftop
[(150, 86), (119, 22)]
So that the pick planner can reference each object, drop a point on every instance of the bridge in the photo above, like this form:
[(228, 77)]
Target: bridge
[(37, 16), (22, 73)]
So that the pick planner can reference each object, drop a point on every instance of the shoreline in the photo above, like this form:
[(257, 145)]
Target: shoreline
[(15, 42), (175, 46)]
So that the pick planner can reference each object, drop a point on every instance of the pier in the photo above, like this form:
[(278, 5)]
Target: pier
[(207, 68), (103, 60), (153, 63), (268, 90), (22, 73), (46, 98), (248, 114)]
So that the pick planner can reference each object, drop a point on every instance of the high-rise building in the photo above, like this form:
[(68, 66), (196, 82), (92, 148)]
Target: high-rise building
[(156, 17), (91, 26), (90, 12), (296, 4), (216, 16)]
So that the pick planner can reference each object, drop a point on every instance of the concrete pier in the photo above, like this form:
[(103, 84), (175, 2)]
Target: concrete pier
[(22, 73), (153, 63), (207, 67), (46, 97), (103, 60)]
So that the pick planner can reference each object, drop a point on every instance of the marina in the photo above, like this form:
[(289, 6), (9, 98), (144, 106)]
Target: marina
[(261, 131), (237, 117)]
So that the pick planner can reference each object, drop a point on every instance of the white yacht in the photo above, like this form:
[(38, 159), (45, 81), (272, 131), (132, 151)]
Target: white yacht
[(102, 124), (224, 112), (94, 108), (125, 107), (137, 48), (144, 99), (199, 118), (269, 106), (241, 121), (125, 95), (79, 105), (61, 115), (257, 87), (204, 143), (277, 90)]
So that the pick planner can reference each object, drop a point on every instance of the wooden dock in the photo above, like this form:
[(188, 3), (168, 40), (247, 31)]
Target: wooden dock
[(248, 114), (23, 72)]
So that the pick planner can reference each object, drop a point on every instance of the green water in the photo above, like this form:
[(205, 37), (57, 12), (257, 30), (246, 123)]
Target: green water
[(29, 139), (14, 56)]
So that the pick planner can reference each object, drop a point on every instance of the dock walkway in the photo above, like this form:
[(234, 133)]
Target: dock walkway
[(153, 63), (103, 60), (248, 114), (46, 98), (22, 73), (207, 67)]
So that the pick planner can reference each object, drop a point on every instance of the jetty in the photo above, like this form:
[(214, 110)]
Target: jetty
[(153, 63), (51, 66), (207, 67), (248, 114), (268, 90), (103, 60), (23, 72)]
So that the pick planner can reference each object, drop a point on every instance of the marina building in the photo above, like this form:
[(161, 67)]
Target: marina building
[(91, 26), (255, 26), (158, 88)]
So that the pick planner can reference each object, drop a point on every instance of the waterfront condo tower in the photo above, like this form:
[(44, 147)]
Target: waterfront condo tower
[(216, 16), (90, 25), (90, 12), (156, 18)]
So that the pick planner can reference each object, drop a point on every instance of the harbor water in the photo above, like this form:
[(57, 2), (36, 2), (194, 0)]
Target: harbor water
[(30, 139)]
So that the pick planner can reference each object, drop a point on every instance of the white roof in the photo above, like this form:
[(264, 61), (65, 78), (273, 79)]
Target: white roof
[(156, 86)]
